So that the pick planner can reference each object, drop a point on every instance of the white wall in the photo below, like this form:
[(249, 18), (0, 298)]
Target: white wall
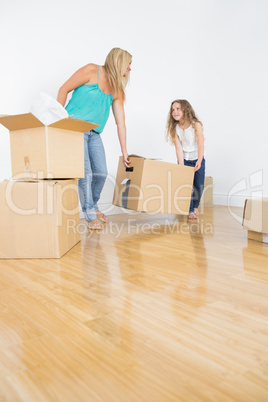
[(211, 52)]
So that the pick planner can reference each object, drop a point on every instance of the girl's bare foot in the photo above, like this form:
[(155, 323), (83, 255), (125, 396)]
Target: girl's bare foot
[(192, 216)]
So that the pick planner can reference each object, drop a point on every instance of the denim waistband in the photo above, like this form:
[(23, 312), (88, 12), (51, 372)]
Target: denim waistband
[(91, 132)]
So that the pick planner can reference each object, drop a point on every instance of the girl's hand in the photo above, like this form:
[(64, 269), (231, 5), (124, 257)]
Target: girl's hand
[(197, 165), (126, 160)]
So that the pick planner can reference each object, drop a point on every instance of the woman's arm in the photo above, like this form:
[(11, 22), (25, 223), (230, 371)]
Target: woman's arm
[(179, 150), (200, 144), (80, 77), (119, 115)]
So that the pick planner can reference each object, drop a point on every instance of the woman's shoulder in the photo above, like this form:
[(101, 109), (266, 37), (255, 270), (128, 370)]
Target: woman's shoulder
[(89, 71), (118, 95), (91, 67)]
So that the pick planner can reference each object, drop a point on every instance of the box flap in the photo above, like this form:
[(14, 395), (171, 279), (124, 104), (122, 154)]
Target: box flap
[(143, 157), (136, 156), (74, 125), (20, 121), (28, 120)]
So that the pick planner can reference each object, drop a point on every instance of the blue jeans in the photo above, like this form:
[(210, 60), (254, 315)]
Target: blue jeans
[(198, 185), (91, 185)]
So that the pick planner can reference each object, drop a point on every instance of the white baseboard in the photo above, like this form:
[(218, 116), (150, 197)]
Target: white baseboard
[(232, 201)]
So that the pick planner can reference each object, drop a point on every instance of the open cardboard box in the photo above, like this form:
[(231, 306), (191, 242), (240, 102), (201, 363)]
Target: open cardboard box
[(255, 219), (150, 185), (54, 151), (39, 219)]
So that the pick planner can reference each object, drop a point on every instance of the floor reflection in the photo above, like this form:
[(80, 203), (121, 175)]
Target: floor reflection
[(167, 258), (255, 258)]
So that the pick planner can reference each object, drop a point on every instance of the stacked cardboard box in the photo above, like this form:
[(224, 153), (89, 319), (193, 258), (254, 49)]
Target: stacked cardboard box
[(40, 207), (39, 219)]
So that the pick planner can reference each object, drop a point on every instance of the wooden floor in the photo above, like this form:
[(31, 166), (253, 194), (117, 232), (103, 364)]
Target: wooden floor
[(151, 309)]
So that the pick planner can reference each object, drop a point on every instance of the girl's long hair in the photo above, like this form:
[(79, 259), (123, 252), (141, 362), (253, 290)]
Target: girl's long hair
[(115, 65), (188, 116)]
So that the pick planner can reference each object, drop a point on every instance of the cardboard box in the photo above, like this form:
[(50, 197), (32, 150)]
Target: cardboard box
[(207, 196), (255, 219), (262, 237), (38, 151), (39, 219), (153, 186)]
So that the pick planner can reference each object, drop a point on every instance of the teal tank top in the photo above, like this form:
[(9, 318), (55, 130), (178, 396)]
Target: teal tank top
[(89, 103)]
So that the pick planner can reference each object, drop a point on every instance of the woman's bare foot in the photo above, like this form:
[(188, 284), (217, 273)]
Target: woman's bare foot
[(94, 225), (101, 217)]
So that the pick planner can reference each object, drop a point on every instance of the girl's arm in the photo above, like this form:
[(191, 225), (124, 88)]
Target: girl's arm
[(179, 150), (119, 115), (200, 144), (79, 78)]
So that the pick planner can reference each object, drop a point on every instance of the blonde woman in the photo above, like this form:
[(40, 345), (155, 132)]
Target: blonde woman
[(185, 132), (95, 89)]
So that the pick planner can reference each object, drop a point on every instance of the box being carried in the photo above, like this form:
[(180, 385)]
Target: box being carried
[(39, 219), (255, 219), (39, 151), (149, 185)]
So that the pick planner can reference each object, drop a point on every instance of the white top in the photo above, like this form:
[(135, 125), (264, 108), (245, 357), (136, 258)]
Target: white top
[(188, 141)]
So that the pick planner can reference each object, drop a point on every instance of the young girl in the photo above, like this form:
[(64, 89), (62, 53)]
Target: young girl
[(185, 131)]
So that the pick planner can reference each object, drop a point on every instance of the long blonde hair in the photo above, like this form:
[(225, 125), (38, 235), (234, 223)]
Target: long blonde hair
[(115, 65), (188, 116)]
